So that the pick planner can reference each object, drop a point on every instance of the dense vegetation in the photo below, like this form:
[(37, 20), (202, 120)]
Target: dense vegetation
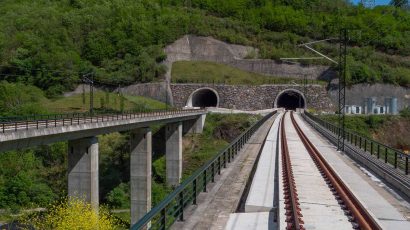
[(389, 130), (51, 44), (36, 177), (17, 99)]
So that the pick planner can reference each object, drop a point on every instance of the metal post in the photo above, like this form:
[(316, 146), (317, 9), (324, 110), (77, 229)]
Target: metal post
[(225, 159), (378, 151), (204, 181), (229, 154), (213, 173), (166, 95), (360, 142), (395, 159), (194, 192), (219, 165), (342, 89), (181, 206), (371, 148), (164, 219), (385, 155)]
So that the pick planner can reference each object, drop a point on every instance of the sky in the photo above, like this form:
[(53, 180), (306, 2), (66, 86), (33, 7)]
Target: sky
[(378, 2)]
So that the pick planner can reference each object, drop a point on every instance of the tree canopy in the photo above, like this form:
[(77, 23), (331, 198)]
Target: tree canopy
[(51, 44)]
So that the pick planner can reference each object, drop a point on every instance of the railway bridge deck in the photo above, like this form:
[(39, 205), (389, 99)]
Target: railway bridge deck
[(289, 176)]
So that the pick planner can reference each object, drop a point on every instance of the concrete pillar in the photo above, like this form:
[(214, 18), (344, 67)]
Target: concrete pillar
[(173, 153), (83, 169), (194, 126), (140, 178)]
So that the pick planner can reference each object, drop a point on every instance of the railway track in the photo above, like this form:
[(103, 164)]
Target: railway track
[(355, 212)]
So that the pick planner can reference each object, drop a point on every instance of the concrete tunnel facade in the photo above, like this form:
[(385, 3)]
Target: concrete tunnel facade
[(290, 99), (203, 97), (208, 97)]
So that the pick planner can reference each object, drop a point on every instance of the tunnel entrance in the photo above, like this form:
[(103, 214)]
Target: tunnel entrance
[(290, 100), (204, 97)]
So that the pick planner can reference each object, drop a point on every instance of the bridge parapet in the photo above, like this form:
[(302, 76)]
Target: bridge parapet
[(29, 133)]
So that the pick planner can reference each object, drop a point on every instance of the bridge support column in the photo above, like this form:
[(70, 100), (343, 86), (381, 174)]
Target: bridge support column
[(140, 177), (83, 170), (173, 153), (195, 126)]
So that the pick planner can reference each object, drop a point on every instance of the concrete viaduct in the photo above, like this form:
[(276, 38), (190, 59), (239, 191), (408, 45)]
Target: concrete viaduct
[(81, 133)]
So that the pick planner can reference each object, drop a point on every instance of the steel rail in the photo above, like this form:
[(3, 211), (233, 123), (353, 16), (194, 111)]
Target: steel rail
[(293, 211), (346, 198)]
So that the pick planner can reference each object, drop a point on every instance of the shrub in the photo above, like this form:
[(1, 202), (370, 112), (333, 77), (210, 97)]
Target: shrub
[(119, 197), (405, 112), (71, 213)]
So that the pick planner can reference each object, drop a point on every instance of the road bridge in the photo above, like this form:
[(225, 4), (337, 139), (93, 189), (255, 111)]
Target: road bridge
[(287, 175), (81, 131)]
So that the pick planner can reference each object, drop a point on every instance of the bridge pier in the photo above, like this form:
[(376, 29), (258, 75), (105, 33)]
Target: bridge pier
[(141, 172), (173, 153), (194, 126), (83, 170)]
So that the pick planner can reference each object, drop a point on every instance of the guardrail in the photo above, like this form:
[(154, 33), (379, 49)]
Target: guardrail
[(394, 157), (172, 207), (54, 120)]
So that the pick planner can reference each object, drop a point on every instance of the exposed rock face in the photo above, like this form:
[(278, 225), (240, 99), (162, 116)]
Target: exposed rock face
[(194, 48), (253, 97)]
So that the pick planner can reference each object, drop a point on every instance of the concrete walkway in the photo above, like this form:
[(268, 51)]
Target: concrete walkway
[(390, 210), (223, 196)]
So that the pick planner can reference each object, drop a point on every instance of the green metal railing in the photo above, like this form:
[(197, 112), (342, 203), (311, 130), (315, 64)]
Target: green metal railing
[(391, 156), (172, 207), (12, 124)]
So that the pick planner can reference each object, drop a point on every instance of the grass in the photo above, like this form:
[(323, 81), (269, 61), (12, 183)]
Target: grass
[(387, 129), (362, 124), (208, 72), (102, 100)]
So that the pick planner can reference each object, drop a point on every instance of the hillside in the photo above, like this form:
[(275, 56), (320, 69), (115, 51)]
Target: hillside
[(51, 44), (17, 99), (389, 130), (209, 72)]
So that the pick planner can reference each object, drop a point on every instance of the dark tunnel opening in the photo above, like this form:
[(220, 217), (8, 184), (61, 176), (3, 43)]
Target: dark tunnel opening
[(290, 100), (204, 98)]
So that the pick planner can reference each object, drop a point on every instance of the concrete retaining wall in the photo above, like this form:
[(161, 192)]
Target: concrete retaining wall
[(194, 48), (356, 94)]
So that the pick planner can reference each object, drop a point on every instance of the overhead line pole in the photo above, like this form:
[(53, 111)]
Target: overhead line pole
[(91, 82), (342, 89), (342, 79)]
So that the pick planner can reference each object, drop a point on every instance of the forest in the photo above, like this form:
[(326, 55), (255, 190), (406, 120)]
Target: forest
[(47, 46), (52, 44)]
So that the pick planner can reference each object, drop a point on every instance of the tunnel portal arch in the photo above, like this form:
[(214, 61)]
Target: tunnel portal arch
[(290, 99), (203, 97)]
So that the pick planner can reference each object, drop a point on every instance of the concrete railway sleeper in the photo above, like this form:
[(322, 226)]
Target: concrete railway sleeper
[(357, 214)]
